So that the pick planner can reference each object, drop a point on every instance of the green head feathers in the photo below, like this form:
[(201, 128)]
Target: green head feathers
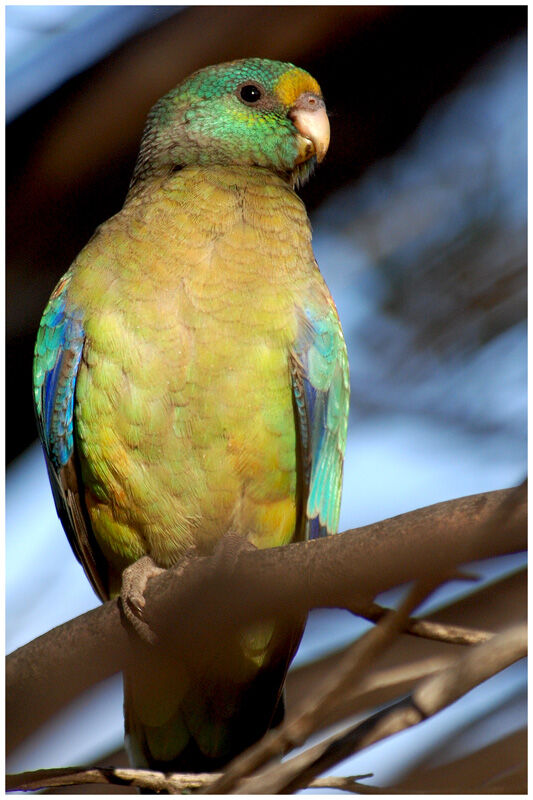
[(252, 112)]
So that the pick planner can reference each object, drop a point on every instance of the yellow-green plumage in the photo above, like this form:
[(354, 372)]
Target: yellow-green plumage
[(184, 399), (209, 394)]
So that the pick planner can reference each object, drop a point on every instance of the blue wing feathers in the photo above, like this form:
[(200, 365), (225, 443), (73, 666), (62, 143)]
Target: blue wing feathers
[(316, 530), (58, 353), (57, 357)]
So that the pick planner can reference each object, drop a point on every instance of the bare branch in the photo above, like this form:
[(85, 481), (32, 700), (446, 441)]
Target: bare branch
[(432, 695), (52, 670), (442, 689), (347, 783), (289, 776), (348, 673), (498, 767), (428, 629), (119, 776), (172, 783), (293, 733), (500, 604), (397, 680)]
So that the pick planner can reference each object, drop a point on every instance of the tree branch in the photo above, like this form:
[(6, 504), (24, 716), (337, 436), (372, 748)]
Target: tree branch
[(428, 629), (293, 733), (347, 675), (53, 669), (172, 783), (428, 698)]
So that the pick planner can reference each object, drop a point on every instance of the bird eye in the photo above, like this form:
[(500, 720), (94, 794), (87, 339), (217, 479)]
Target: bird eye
[(250, 93)]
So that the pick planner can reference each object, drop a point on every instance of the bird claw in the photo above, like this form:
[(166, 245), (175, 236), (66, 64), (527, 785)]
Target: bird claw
[(134, 581)]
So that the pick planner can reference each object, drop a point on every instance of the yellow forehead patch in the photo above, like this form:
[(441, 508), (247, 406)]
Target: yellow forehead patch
[(294, 83)]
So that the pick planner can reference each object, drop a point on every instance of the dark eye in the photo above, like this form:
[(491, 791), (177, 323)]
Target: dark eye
[(250, 93)]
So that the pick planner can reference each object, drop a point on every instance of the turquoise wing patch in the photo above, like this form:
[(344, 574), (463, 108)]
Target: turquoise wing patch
[(58, 352), (55, 368), (321, 391)]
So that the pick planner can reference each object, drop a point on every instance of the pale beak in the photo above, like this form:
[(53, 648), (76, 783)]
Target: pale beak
[(310, 119)]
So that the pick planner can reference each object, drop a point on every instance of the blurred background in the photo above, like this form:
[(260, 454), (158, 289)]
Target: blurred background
[(419, 218)]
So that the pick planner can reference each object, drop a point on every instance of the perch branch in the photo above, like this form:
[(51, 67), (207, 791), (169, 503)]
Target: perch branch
[(345, 571), (293, 733)]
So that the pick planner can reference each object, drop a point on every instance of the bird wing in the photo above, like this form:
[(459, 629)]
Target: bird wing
[(58, 352), (321, 391)]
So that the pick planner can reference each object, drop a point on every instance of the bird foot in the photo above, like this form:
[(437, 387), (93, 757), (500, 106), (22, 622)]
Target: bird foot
[(134, 581)]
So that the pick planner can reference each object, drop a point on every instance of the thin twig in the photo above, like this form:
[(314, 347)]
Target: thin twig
[(394, 681), (348, 783), (428, 629), (480, 663)]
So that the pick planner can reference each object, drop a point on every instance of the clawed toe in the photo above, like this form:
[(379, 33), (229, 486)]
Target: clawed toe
[(134, 581)]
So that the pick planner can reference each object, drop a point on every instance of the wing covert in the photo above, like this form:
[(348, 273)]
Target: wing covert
[(58, 352), (321, 391)]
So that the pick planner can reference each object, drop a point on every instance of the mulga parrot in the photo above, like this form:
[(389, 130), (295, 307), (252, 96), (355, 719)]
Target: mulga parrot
[(191, 379)]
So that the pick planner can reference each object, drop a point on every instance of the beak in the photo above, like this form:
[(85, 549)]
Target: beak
[(310, 119)]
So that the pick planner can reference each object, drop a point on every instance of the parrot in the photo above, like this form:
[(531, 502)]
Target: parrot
[(190, 381)]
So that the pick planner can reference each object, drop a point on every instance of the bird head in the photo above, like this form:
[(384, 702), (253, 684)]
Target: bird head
[(251, 112)]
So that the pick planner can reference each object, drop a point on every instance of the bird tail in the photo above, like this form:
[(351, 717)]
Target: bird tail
[(182, 719)]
